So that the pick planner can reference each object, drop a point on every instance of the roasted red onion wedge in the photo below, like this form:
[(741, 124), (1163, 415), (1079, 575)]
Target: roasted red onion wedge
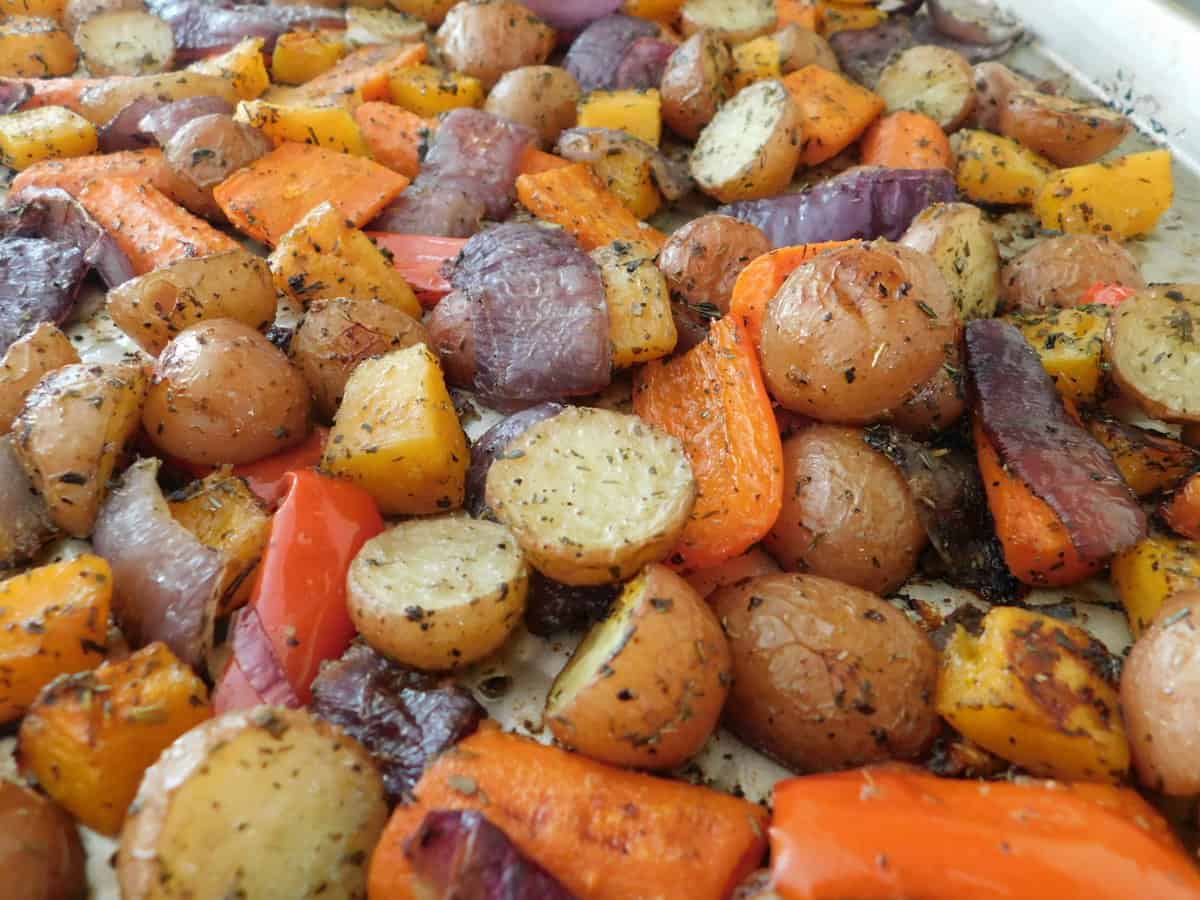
[(25, 525), (1023, 415), (13, 94), (123, 131), (596, 55), (252, 653), (204, 27), (492, 443), (643, 64), (161, 122), (166, 582), (572, 15), (39, 280)]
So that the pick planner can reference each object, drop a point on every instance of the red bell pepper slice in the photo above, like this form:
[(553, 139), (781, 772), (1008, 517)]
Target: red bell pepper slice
[(419, 258), (268, 477), (1107, 294)]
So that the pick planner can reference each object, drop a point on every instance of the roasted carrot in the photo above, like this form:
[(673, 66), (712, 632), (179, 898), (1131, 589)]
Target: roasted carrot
[(394, 136), (266, 198), (151, 229), (907, 140), (834, 111), (714, 400), (605, 833), (1181, 511), (883, 832), (762, 279), (1037, 544), (61, 91), (805, 13), (420, 258), (147, 166), (575, 198), (535, 161), (363, 75)]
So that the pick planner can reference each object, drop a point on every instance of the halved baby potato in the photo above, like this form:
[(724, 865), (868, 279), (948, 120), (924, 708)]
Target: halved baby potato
[(438, 593), (1065, 131), (36, 354), (593, 495), (696, 81), (934, 81), (735, 21), (125, 42), (1151, 347), (959, 239), (751, 147), (646, 686)]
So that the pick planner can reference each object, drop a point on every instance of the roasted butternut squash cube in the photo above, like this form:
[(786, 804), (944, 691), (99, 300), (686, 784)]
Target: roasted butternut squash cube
[(428, 91), (627, 174), (1070, 343), (1151, 572), (53, 621), (243, 65), (89, 737), (1036, 692), (1121, 199), (332, 127), (302, 55), (837, 17), (756, 60), (636, 112), (32, 47), (397, 434), (49, 132), (323, 257), (995, 169), (640, 325), (225, 514), (46, 9)]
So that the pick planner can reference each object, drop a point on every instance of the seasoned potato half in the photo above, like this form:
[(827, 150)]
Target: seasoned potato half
[(994, 81), (934, 81), (646, 686), (76, 12), (592, 495), (799, 47), (438, 593), (41, 351), (704, 258), (751, 147), (542, 97), (1151, 349), (125, 42), (734, 21), (1059, 271), (697, 80), (1065, 131), (959, 239), (273, 786), (486, 38)]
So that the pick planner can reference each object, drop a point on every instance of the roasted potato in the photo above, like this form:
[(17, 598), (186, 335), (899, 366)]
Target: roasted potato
[(76, 12), (553, 487), (438, 593), (1160, 698), (36, 354), (934, 81), (336, 335), (32, 47), (751, 564), (1058, 271), (935, 405), (825, 675), (1067, 132), (696, 82), (206, 151), (264, 785), (106, 98), (733, 21), (1150, 573), (1150, 349), (640, 325), (125, 42), (799, 47), (959, 239), (751, 147), (26, 524), (223, 393), (452, 336), (72, 431), (40, 852), (433, 12), (703, 259), (1070, 343), (847, 512), (486, 38), (855, 332), (153, 308), (382, 26), (646, 686), (542, 97), (994, 81)]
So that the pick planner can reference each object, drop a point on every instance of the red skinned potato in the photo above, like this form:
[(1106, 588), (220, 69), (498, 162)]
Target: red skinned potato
[(1067, 132), (543, 98), (933, 81), (994, 81), (486, 38), (703, 259), (697, 80), (1059, 271), (1149, 348), (40, 851)]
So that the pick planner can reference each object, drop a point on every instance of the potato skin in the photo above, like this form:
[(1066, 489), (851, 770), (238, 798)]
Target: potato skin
[(847, 512), (206, 151), (1065, 131), (40, 850), (1058, 271), (994, 81), (826, 676), (703, 259), (697, 80), (223, 393), (486, 38), (937, 404), (799, 47), (542, 97), (1160, 699), (853, 333)]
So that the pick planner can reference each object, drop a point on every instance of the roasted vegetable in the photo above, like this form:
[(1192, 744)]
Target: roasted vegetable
[(1149, 461), (39, 280), (697, 80), (935, 81), (1150, 573), (492, 444), (48, 132), (1067, 132), (1059, 271), (960, 240), (539, 97), (1148, 348), (640, 326), (26, 525), (1070, 344), (703, 259), (485, 39), (40, 848), (595, 56), (33, 47), (1123, 198), (125, 42), (35, 355), (734, 21), (994, 169)]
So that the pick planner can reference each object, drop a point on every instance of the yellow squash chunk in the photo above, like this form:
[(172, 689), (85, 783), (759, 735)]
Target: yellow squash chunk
[(627, 174), (323, 257), (242, 64), (53, 621), (32, 47), (1122, 199), (301, 55), (46, 9), (640, 325), (397, 434), (331, 127), (1149, 573), (1070, 343), (431, 11), (756, 60), (89, 737), (49, 132), (636, 112), (1032, 690), (429, 92), (995, 169), (837, 17)]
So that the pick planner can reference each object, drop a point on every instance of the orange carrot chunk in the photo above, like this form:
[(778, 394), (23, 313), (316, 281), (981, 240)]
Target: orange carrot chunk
[(363, 75), (714, 400), (420, 258), (834, 111), (535, 161), (1181, 511), (394, 136), (907, 140), (61, 91), (70, 175)]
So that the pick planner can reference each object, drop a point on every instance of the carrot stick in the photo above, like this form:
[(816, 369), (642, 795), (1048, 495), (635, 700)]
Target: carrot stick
[(834, 111), (147, 166), (61, 91), (266, 198), (363, 75), (575, 198), (760, 281), (535, 161), (907, 140), (605, 833), (151, 229), (419, 258), (394, 136), (713, 399)]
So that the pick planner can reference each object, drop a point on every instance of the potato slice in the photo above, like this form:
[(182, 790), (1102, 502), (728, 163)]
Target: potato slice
[(41, 351), (959, 239), (382, 26), (1065, 131), (1151, 346), (697, 80), (126, 42), (751, 147), (76, 12), (934, 81), (556, 486), (438, 593), (264, 803), (734, 21), (646, 686)]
